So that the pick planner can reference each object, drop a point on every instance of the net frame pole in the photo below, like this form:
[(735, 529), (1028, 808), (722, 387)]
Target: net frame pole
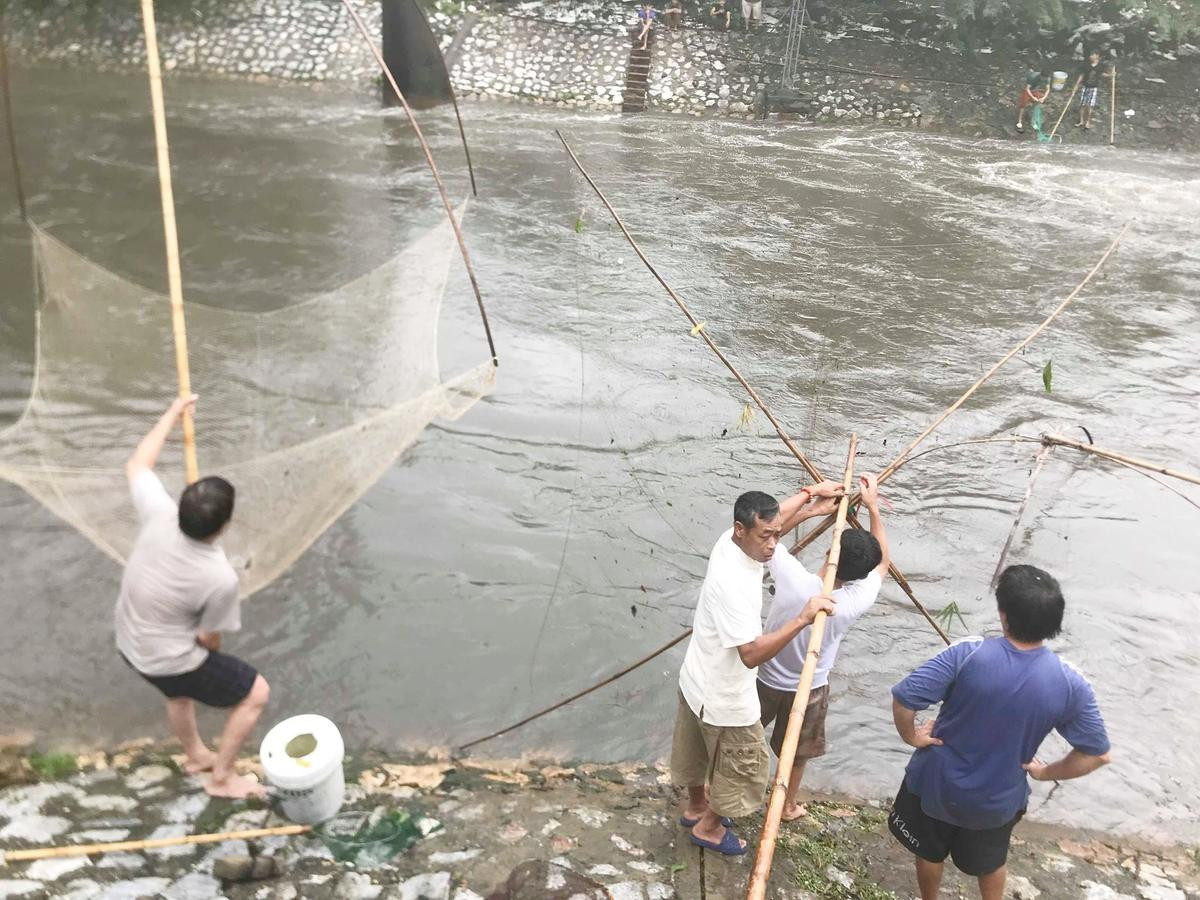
[(1112, 109), (1062, 115), (759, 875), (170, 236)]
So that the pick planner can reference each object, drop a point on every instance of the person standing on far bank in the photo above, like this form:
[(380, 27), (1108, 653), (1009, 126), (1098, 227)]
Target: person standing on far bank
[(178, 593), (1089, 77), (965, 787), (718, 740)]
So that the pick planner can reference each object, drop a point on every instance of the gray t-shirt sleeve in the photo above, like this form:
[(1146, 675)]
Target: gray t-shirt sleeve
[(150, 498), (223, 610)]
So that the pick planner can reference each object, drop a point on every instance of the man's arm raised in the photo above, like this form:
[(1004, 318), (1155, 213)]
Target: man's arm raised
[(796, 508), (766, 646), (146, 454), (869, 489)]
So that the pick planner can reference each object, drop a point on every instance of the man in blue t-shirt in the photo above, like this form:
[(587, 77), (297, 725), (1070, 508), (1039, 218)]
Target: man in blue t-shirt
[(965, 787)]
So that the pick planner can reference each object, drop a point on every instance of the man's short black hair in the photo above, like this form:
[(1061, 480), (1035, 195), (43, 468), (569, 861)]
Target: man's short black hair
[(1032, 603), (205, 507), (754, 505), (859, 554)]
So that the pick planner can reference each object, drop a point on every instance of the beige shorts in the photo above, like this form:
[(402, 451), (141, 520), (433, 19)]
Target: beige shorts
[(732, 761), (777, 707), (752, 10)]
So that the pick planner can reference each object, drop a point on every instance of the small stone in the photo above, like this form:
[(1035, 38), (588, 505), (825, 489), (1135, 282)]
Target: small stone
[(1022, 888), (604, 870), (121, 861), (626, 890), (591, 817), (54, 869), (428, 886), (357, 886), (81, 889), (648, 868), (145, 776), (108, 803), (1094, 890), (845, 879), (100, 835), (625, 845), (456, 856), (513, 832), (135, 889), (194, 886), (17, 887)]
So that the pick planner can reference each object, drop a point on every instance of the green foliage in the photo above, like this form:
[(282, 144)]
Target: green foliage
[(53, 766), (579, 224), (1048, 375), (947, 614), (814, 854)]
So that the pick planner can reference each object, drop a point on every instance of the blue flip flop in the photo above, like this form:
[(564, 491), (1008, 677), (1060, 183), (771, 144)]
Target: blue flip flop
[(691, 823), (729, 846)]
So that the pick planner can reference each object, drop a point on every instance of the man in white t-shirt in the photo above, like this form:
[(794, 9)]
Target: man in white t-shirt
[(862, 562), (718, 740), (178, 593)]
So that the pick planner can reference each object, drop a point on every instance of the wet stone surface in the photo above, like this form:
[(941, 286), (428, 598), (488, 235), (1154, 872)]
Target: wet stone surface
[(508, 830)]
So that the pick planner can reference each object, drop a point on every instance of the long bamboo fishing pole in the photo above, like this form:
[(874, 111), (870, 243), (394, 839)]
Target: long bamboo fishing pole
[(1062, 115), (1112, 109), (412, 120), (791, 737), (1121, 458), (1021, 345), (698, 328), (170, 236), (1038, 462), (7, 856), (9, 126)]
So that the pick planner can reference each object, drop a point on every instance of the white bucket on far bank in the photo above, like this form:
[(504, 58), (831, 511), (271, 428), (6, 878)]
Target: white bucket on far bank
[(302, 760), (1059, 81)]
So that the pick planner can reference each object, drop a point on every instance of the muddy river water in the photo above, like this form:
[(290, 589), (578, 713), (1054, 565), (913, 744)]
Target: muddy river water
[(861, 280)]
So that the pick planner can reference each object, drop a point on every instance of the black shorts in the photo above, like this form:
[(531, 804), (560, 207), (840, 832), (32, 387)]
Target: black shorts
[(222, 681), (975, 852)]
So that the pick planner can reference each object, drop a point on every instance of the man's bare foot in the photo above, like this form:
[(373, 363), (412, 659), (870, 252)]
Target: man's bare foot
[(794, 811), (234, 787), (200, 762)]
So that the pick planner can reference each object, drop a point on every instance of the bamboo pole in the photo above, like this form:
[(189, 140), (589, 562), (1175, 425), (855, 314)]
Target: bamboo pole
[(1038, 462), (412, 120), (170, 236), (899, 460), (11, 856), (1063, 114), (1112, 109), (698, 328), (791, 737), (9, 127), (1121, 458), (595, 687)]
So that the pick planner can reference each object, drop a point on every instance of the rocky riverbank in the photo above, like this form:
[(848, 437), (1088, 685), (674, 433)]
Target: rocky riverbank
[(497, 829), (859, 66)]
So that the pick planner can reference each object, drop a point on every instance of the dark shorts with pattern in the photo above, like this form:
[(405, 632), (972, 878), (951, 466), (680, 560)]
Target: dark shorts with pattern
[(974, 851), (222, 681), (1090, 97), (777, 707)]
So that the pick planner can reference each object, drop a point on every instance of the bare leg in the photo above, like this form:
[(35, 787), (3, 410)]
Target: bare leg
[(709, 828), (181, 713), (697, 805), (929, 878), (791, 809), (991, 886), (225, 782)]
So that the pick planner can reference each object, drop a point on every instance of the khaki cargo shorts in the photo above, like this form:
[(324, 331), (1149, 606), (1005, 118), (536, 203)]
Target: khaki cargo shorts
[(777, 707), (732, 761)]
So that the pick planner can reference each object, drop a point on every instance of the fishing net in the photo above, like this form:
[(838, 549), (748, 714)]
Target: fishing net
[(302, 408)]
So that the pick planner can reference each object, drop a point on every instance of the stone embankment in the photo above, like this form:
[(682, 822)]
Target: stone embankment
[(501, 830)]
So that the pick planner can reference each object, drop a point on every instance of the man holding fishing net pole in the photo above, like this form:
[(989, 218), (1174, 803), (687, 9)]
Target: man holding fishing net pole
[(718, 752), (178, 593)]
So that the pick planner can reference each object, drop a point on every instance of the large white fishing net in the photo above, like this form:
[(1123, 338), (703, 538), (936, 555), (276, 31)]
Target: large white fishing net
[(302, 408)]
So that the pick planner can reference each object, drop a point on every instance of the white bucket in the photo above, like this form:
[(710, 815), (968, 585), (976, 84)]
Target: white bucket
[(310, 787), (1060, 81)]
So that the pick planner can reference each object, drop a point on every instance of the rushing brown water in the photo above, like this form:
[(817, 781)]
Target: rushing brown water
[(861, 280)]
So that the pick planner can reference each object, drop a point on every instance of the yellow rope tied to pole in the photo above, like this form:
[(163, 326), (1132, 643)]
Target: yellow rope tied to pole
[(171, 236), (791, 737)]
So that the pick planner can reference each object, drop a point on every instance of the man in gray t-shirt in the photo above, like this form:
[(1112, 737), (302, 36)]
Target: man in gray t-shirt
[(178, 593)]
